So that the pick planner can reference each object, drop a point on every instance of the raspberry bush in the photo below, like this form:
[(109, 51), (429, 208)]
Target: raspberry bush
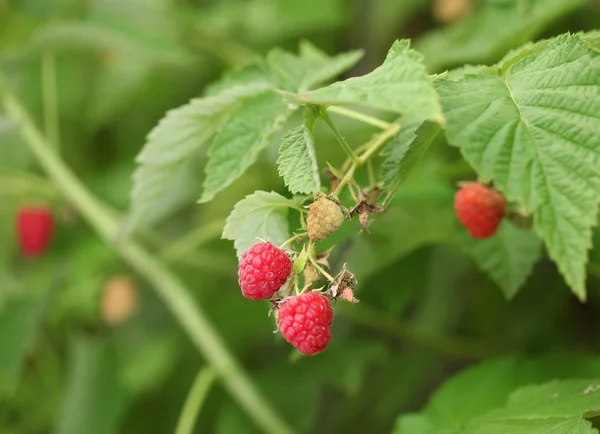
[(413, 221)]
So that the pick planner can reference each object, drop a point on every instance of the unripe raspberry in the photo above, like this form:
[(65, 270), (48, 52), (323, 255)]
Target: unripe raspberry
[(263, 270), (305, 322), (119, 300), (479, 209), (34, 228), (324, 218)]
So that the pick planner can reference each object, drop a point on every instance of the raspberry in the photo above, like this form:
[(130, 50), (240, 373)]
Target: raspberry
[(324, 218), (479, 209), (305, 322), (263, 269), (34, 227)]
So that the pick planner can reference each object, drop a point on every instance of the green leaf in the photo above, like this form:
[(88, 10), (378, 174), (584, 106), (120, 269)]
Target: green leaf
[(508, 257), (94, 400), (487, 34), (255, 73), (240, 139), (481, 389), (259, 215), (166, 163), (405, 150), (297, 158), (414, 424), (311, 67), (557, 407), (400, 85), (18, 320), (534, 132)]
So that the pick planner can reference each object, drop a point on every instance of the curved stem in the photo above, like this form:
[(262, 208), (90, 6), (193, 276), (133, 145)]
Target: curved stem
[(194, 401), (192, 240), (359, 116), (173, 293), (339, 137), (321, 270), (372, 146), (384, 323), (50, 100), (291, 240)]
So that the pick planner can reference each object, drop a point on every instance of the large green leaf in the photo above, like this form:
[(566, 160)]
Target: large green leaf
[(556, 407), (298, 73), (259, 215), (240, 140), (508, 257), (487, 34), (534, 130), (297, 157), (399, 85), (166, 163), (486, 387)]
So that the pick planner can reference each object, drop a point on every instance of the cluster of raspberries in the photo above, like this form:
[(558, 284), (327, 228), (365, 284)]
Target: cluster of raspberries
[(304, 320)]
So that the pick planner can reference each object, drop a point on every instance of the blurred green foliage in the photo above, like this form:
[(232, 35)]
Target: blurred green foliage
[(426, 310)]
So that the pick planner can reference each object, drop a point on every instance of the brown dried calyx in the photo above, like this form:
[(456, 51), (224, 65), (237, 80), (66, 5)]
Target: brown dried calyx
[(364, 209)]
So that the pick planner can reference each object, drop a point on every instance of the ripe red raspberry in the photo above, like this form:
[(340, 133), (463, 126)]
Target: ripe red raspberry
[(34, 227), (324, 218), (263, 269), (480, 209), (305, 322)]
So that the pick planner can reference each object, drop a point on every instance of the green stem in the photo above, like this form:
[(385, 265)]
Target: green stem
[(339, 137), (320, 269), (50, 100), (371, 173), (173, 293), (378, 142), (384, 323), (192, 240), (23, 183), (194, 401), (292, 239), (373, 146), (345, 180), (359, 116)]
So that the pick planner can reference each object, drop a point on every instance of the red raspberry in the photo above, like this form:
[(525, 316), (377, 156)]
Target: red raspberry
[(305, 322), (479, 209), (263, 269), (34, 227)]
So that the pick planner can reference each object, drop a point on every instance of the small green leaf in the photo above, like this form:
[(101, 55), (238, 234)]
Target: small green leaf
[(300, 261), (240, 140), (300, 73), (405, 150), (166, 163), (508, 257), (297, 158), (534, 132), (259, 215), (400, 85)]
